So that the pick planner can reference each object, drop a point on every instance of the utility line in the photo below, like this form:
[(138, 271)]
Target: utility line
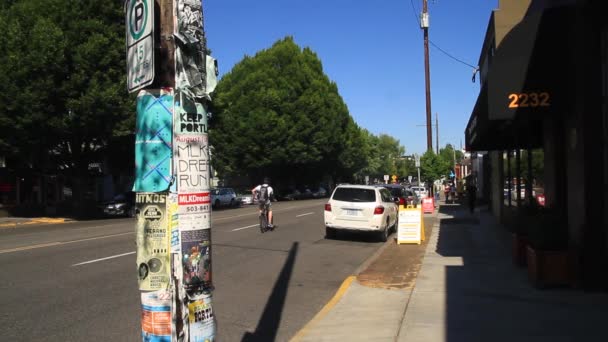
[(414, 11)]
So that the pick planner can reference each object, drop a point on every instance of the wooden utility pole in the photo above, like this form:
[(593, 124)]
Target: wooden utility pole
[(437, 132), (424, 24), (167, 67)]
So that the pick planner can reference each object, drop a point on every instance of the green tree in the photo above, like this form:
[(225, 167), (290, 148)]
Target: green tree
[(433, 166), (62, 82), (278, 114)]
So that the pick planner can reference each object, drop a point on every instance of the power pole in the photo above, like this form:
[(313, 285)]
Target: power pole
[(437, 132), (167, 66), (424, 24)]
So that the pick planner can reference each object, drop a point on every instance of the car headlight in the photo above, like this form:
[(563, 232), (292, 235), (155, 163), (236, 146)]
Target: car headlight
[(120, 205)]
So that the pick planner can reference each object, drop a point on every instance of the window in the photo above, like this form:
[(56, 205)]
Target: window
[(354, 195)]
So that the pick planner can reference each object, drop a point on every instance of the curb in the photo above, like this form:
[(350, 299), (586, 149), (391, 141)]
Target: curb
[(325, 310), (340, 293), (40, 220)]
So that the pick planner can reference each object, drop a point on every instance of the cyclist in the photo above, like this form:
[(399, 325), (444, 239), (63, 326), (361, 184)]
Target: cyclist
[(263, 193)]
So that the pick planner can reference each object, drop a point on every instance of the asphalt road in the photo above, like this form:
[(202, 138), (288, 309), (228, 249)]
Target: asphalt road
[(78, 281)]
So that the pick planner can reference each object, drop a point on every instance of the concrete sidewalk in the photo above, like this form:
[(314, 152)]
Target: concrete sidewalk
[(467, 290)]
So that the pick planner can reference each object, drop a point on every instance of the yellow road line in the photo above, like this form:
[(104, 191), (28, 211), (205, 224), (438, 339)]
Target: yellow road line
[(325, 310)]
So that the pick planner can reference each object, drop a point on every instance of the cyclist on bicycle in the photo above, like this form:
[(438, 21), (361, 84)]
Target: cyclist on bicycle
[(263, 193)]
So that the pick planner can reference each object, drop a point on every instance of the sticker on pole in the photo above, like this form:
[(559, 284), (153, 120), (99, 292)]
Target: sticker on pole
[(140, 43), (201, 318)]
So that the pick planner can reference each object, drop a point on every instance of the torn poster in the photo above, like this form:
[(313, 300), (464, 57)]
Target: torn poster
[(201, 318), (190, 48), (153, 242), (156, 316), (153, 141)]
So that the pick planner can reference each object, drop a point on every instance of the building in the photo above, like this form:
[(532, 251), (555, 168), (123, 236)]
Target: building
[(544, 86)]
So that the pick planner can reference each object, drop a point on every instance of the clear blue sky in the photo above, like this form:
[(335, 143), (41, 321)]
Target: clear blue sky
[(373, 50)]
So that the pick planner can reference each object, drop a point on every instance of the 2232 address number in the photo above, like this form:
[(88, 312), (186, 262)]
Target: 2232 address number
[(525, 100)]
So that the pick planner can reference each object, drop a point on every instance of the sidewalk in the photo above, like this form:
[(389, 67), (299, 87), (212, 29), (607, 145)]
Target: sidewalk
[(467, 290)]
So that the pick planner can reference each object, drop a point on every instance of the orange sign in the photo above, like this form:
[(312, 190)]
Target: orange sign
[(428, 205), (524, 100)]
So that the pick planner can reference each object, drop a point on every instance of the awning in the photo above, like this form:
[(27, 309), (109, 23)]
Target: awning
[(532, 71), (531, 76)]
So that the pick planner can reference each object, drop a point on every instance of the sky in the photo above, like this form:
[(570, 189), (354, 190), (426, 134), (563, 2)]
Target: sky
[(373, 51)]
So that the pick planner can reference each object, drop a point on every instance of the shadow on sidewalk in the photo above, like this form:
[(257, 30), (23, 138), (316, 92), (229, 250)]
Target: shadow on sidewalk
[(487, 298), (268, 325)]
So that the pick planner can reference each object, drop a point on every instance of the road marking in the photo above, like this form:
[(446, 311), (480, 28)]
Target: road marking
[(253, 225), (57, 243), (325, 310), (256, 213), (102, 259), (304, 214)]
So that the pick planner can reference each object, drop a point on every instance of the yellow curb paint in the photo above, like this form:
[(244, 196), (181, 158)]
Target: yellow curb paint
[(39, 220), (332, 302)]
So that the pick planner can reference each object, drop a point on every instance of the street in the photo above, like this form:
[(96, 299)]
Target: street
[(78, 281)]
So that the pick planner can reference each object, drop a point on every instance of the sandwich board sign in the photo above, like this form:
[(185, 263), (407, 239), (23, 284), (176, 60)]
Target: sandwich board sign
[(140, 43), (411, 225)]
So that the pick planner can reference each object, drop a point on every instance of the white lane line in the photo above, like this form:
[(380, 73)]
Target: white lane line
[(102, 259), (256, 213), (304, 214), (58, 243), (253, 225)]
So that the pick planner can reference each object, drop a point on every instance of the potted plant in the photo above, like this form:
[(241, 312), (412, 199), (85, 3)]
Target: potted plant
[(520, 224), (547, 251)]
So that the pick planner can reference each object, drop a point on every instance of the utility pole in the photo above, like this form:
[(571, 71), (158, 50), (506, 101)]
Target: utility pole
[(424, 24), (437, 133), (168, 67)]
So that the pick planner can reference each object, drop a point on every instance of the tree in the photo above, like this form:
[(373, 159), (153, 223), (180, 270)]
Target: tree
[(62, 82), (278, 114), (432, 166)]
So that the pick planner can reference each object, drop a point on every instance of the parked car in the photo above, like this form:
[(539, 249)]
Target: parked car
[(120, 205), (361, 208), (222, 197), (245, 199), (402, 195), (292, 195), (320, 193), (420, 191)]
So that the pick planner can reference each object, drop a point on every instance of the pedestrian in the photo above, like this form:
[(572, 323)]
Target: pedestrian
[(471, 192), (446, 190)]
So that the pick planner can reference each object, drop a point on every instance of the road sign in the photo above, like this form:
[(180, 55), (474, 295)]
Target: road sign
[(140, 43), (386, 177), (417, 161)]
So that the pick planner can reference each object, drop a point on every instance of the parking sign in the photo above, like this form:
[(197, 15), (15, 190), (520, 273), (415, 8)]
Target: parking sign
[(140, 43)]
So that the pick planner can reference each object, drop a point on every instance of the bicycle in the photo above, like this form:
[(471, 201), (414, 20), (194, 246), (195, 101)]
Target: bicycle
[(264, 220)]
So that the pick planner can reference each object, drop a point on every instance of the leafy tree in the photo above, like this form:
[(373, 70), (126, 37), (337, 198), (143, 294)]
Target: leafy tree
[(433, 166), (62, 82), (278, 114)]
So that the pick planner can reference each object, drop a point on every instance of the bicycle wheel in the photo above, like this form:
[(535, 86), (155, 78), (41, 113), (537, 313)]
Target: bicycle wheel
[(263, 222)]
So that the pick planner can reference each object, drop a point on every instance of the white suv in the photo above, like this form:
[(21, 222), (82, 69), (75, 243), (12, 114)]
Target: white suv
[(361, 208)]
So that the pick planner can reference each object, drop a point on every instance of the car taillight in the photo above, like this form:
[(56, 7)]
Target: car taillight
[(379, 210), (401, 201), (327, 207)]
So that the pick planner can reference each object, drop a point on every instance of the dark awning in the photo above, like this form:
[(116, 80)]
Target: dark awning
[(532, 70), (531, 76), (483, 134)]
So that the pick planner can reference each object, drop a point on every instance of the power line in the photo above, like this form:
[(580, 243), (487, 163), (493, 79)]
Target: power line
[(452, 57), (414, 11)]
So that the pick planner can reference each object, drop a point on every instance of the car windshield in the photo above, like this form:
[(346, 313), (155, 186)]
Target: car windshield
[(355, 195)]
